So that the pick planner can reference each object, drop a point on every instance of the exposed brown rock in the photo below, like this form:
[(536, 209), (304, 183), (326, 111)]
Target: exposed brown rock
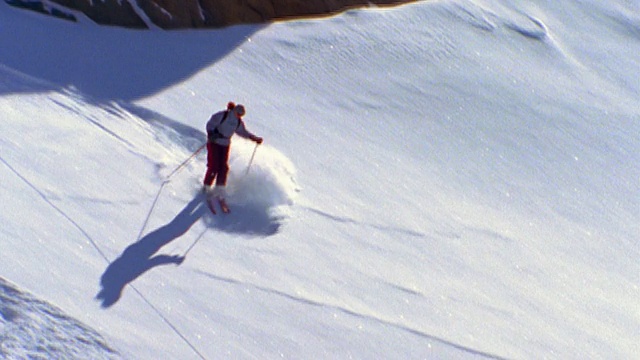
[(109, 12), (174, 14)]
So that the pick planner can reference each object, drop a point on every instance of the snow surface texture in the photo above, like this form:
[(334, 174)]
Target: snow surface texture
[(447, 179), (33, 329)]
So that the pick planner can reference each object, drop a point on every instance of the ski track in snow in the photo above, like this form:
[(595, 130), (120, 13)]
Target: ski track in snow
[(365, 317)]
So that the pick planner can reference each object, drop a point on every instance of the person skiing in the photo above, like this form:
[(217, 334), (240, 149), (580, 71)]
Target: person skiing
[(220, 128)]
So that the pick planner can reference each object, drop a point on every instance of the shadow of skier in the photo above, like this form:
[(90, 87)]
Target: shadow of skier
[(139, 257)]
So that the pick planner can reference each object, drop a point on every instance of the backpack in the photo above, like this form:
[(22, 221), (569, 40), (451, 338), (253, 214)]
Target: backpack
[(215, 134)]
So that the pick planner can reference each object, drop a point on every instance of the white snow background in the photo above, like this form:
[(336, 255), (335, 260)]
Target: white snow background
[(447, 179)]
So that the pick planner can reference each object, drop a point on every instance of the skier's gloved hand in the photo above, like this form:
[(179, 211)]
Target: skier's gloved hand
[(257, 139)]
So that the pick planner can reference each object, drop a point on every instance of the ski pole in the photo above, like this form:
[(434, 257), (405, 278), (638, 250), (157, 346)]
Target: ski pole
[(165, 182), (185, 162), (251, 160)]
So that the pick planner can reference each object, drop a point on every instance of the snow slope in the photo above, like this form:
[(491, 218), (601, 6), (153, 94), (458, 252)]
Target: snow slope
[(446, 179)]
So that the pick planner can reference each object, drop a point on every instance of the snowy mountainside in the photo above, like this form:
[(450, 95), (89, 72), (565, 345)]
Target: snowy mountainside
[(65, 156), (448, 179), (33, 329)]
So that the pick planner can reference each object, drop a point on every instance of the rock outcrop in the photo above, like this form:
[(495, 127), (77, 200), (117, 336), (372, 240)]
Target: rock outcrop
[(176, 14)]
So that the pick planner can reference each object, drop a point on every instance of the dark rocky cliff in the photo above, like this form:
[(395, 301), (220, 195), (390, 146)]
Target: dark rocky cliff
[(175, 14)]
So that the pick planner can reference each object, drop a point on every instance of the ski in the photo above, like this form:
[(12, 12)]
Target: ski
[(211, 198), (209, 201), (223, 205)]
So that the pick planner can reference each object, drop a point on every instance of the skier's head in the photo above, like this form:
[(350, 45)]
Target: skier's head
[(239, 110), (231, 105)]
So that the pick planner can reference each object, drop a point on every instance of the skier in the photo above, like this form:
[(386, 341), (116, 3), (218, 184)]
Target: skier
[(220, 128)]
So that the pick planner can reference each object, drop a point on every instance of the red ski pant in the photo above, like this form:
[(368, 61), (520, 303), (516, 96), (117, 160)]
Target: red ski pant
[(217, 164)]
